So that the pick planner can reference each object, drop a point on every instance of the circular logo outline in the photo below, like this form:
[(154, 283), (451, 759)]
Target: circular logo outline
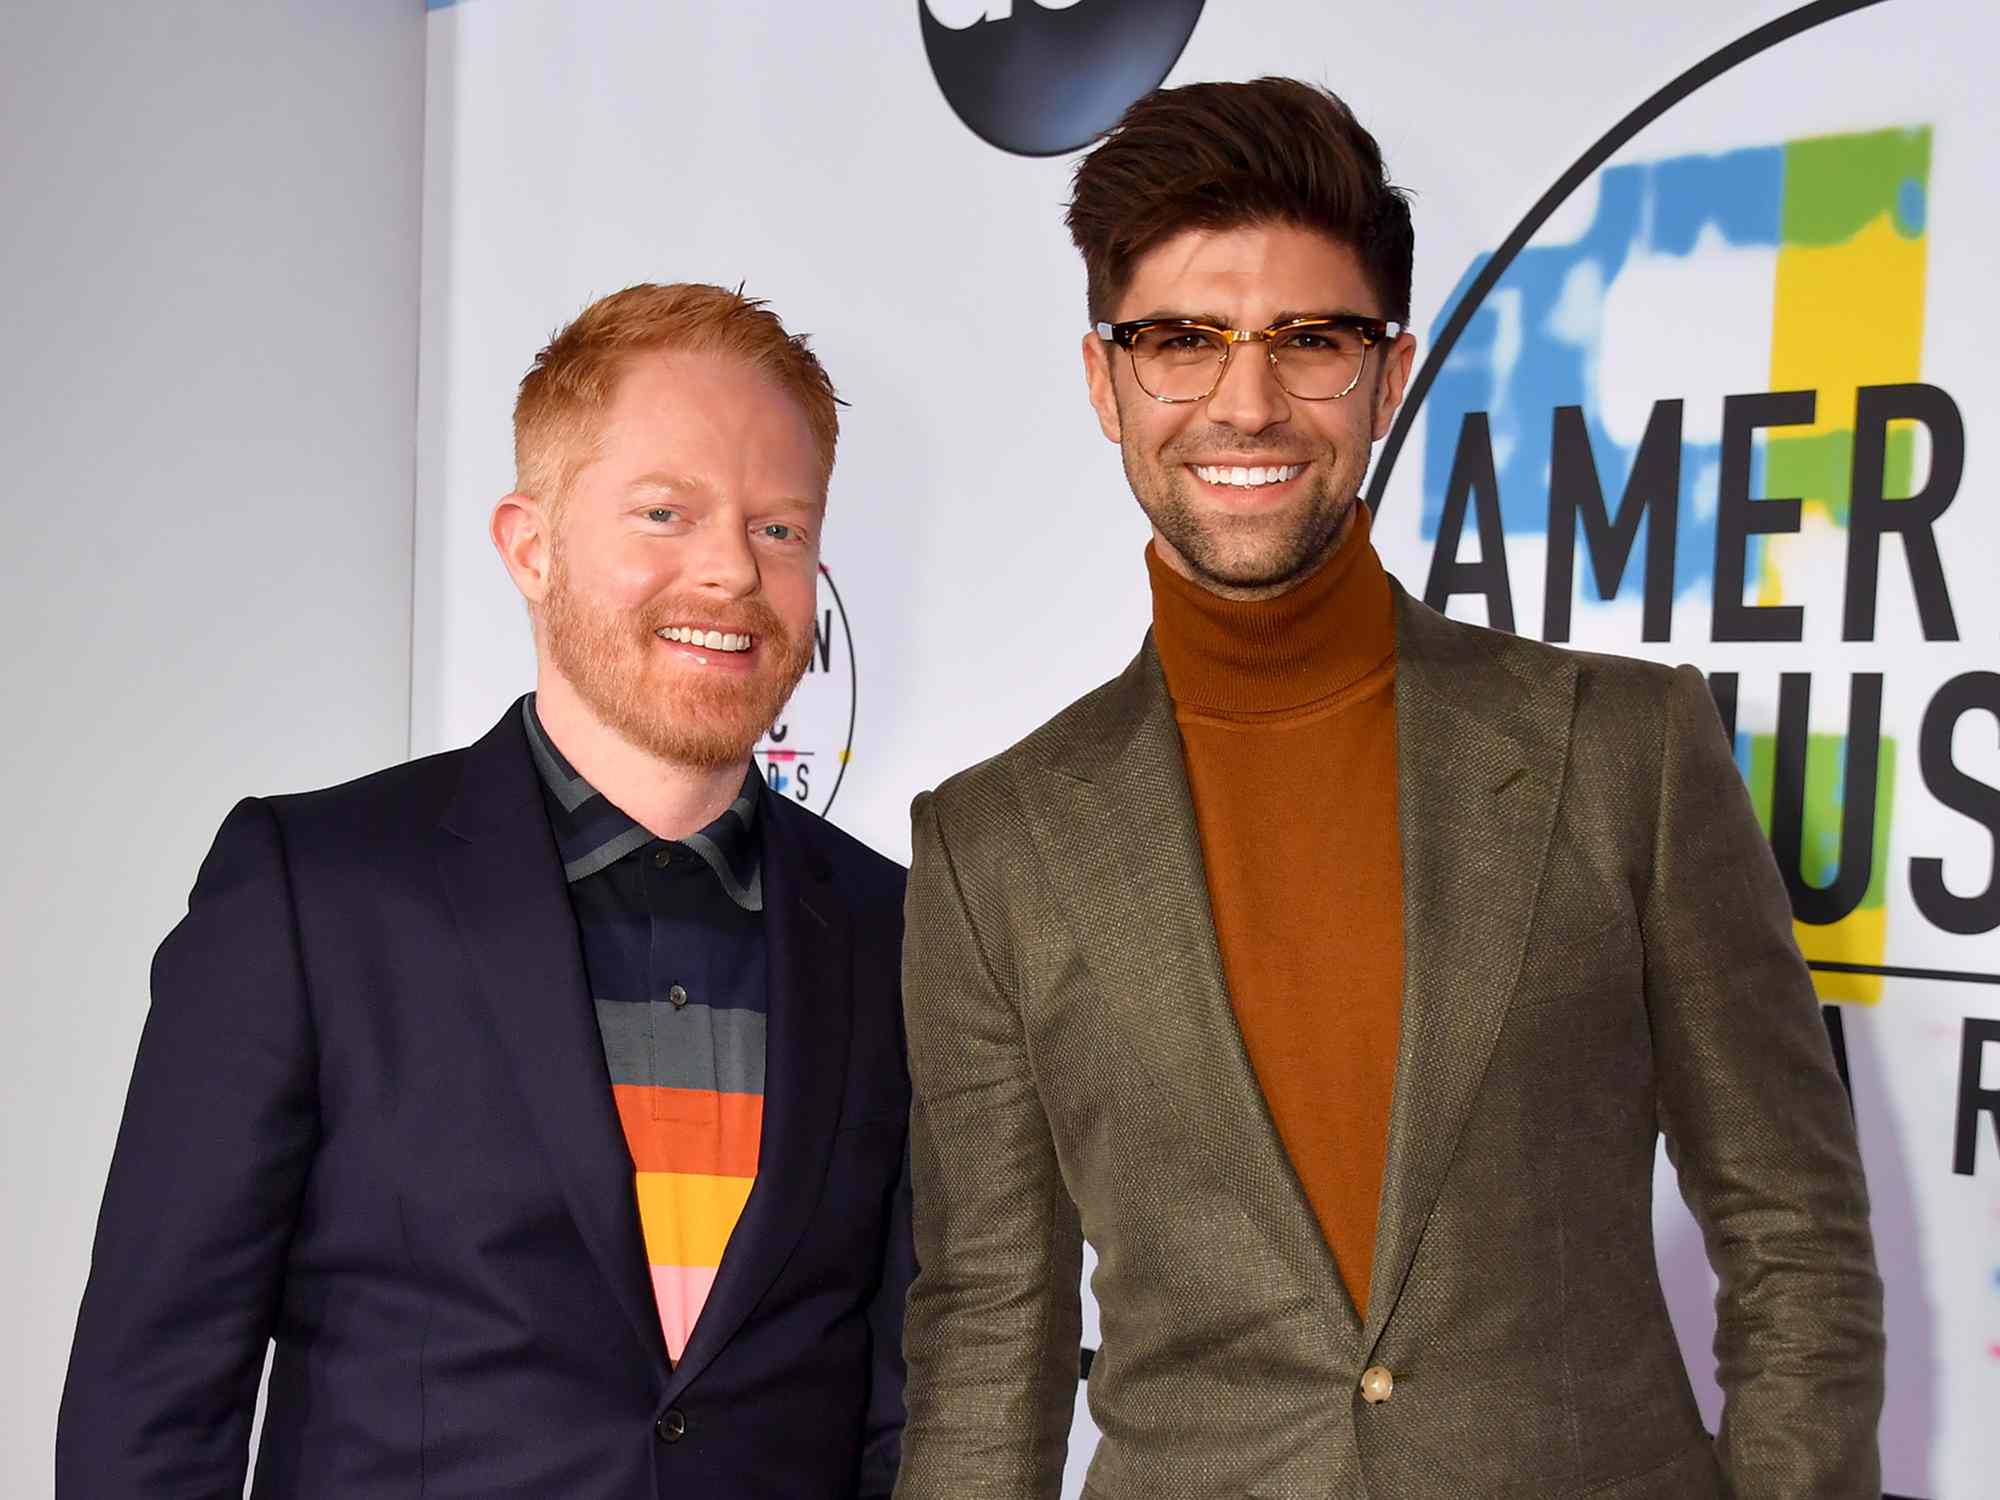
[(764, 754)]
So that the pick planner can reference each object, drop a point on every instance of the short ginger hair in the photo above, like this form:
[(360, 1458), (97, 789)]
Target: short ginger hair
[(573, 380), (1220, 156)]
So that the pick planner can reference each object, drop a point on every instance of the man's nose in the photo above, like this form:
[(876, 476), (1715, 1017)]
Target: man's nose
[(1248, 397), (724, 560)]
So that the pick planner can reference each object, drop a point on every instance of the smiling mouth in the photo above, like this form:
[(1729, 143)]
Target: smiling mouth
[(707, 640), (1246, 478)]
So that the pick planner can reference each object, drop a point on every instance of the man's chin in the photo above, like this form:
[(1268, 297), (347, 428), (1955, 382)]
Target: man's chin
[(701, 726), (698, 731), (1252, 569), (697, 746), (686, 715), (1258, 557)]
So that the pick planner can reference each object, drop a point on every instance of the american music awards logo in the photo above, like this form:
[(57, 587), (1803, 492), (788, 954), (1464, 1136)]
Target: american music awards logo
[(805, 755), (1041, 77)]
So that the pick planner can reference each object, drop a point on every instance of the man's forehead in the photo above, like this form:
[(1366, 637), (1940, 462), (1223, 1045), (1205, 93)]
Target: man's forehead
[(650, 374), (1262, 270), (702, 391)]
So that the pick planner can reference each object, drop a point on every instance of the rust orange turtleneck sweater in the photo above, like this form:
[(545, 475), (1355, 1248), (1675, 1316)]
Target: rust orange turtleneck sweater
[(1288, 722)]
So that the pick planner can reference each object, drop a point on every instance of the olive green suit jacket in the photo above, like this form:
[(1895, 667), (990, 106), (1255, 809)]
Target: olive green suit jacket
[(1598, 951)]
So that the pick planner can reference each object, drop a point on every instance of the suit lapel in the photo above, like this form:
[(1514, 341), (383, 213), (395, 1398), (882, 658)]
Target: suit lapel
[(505, 885), (809, 1002), (1481, 749), (1117, 830)]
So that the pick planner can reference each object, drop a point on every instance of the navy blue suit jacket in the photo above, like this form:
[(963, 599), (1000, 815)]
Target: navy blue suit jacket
[(370, 1119)]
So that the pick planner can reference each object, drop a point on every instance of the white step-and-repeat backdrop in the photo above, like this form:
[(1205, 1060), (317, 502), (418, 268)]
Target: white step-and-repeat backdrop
[(1708, 320)]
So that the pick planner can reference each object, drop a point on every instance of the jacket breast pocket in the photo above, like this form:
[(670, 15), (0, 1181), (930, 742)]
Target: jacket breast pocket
[(1578, 967)]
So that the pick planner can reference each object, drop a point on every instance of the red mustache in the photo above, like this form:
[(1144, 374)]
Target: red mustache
[(748, 617)]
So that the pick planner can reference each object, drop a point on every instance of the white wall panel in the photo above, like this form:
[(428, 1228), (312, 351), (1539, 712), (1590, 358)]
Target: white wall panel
[(207, 407)]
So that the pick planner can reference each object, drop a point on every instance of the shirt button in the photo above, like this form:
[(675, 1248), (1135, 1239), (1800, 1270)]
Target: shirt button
[(677, 996), (1377, 1384), (672, 1426), (663, 858)]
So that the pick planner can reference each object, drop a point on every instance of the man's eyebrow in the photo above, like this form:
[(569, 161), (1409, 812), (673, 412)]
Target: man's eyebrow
[(1319, 313), (1169, 315), (661, 482), (1223, 320)]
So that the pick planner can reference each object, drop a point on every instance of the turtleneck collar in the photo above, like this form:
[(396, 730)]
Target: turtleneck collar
[(1274, 655)]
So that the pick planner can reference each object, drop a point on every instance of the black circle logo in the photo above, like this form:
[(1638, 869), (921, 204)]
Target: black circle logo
[(1041, 77)]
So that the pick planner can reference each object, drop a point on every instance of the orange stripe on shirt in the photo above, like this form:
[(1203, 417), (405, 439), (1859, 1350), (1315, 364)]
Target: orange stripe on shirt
[(691, 1130)]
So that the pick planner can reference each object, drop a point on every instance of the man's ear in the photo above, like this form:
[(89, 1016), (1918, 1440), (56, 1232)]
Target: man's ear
[(521, 535), (1396, 360), (1097, 378)]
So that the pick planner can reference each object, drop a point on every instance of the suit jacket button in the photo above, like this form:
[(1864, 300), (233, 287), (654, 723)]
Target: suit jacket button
[(671, 1427), (1377, 1384)]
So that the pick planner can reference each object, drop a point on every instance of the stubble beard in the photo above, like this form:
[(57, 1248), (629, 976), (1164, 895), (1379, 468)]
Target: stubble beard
[(679, 714), (1247, 555)]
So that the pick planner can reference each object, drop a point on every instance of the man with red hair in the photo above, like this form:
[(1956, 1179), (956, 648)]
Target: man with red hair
[(543, 1101)]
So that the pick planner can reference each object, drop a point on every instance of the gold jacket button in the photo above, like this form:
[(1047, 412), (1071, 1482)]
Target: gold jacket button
[(1377, 1385)]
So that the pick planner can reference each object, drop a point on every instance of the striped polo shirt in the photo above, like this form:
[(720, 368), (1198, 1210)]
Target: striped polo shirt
[(672, 933)]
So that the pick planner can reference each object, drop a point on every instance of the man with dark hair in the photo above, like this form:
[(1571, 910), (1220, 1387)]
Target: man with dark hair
[(1356, 1096), (543, 1101)]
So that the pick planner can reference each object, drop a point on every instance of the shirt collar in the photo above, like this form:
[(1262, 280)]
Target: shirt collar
[(591, 833)]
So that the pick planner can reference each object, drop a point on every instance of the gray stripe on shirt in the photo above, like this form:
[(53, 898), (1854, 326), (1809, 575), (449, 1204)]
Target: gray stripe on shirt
[(689, 1047)]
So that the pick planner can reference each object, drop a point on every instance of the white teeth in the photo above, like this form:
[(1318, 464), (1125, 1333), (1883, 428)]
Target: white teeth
[(1246, 477), (708, 640)]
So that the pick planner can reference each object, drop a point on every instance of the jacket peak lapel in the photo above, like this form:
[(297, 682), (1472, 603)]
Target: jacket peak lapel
[(504, 881), (1482, 745), (1115, 822)]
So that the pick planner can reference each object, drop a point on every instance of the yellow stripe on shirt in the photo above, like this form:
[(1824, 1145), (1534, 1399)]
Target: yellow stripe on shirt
[(687, 1217)]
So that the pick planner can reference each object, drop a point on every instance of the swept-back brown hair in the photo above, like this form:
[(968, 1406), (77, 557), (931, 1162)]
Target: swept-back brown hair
[(1226, 155), (566, 390)]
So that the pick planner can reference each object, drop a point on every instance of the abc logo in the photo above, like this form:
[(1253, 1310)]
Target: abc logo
[(1041, 77)]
